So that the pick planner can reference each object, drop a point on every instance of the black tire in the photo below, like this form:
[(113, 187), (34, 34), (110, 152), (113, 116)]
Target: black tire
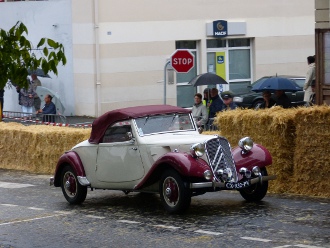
[(175, 196), (73, 192), (256, 192), (257, 103)]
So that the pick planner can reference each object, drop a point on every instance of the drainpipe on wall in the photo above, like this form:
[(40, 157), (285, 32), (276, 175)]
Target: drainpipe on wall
[(97, 58)]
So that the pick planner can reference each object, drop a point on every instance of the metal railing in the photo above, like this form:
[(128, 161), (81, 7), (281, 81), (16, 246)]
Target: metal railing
[(34, 118), (43, 119)]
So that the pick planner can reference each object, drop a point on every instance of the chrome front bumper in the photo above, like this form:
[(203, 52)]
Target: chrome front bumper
[(51, 181), (82, 180), (228, 185)]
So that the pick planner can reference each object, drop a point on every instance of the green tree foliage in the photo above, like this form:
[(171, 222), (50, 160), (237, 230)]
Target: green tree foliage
[(17, 57)]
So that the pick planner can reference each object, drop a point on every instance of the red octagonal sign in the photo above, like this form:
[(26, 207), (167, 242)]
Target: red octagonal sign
[(182, 60)]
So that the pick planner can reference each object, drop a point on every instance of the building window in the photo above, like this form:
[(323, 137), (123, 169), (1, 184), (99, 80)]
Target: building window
[(239, 43), (185, 92), (215, 43), (239, 64), (230, 59)]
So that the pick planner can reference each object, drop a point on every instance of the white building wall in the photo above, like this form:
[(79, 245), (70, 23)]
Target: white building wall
[(117, 49), (136, 38), (50, 19)]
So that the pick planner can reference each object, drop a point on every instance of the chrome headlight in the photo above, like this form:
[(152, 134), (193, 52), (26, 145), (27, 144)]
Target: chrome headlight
[(208, 175), (245, 172), (197, 150), (245, 144), (256, 170)]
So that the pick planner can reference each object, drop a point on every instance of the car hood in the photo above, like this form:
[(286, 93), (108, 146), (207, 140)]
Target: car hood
[(158, 145), (175, 139)]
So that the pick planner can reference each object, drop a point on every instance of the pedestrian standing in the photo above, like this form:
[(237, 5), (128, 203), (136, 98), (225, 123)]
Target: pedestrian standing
[(2, 92), (228, 103), (35, 83), (27, 100), (310, 76), (312, 99), (199, 111)]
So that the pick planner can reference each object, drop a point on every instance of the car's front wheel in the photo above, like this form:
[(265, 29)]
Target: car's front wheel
[(256, 192), (175, 196), (256, 104), (73, 192)]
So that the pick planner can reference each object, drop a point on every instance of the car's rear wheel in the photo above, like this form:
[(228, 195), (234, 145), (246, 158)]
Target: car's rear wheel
[(73, 192), (175, 196), (256, 192)]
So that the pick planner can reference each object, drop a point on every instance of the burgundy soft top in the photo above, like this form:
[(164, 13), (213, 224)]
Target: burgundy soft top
[(101, 124)]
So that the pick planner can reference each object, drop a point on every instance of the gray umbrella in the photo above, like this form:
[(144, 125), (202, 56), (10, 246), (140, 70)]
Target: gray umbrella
[(39, 72), (43, 91), (207, 79)]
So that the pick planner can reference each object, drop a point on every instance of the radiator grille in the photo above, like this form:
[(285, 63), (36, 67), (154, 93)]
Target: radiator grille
[(219, 156)]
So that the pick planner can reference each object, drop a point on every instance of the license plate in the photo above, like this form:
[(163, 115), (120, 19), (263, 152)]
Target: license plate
[(238, 185)]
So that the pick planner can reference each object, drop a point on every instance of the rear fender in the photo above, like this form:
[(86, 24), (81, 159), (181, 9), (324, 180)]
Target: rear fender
[(69, 158), (257, 156), (183, 163)]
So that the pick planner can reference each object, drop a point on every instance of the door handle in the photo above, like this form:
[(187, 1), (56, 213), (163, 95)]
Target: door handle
[(134, 148)]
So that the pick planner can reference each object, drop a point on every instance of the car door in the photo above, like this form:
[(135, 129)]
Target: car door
[(118, 157)]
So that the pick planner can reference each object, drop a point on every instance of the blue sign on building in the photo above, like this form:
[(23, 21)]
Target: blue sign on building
[(220, 59), (220, 28)]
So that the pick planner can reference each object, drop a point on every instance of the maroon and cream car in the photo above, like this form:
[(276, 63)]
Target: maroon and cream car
[(158, 149)]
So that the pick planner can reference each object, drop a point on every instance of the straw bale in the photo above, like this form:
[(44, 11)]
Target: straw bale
[(311, 157), (36, 148), (272, 128)]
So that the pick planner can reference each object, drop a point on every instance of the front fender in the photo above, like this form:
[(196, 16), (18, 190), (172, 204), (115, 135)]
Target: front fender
[(69, 158), (183, 163), (258, 156)]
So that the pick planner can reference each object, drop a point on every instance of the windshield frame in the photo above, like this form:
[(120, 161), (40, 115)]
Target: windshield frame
[(172, 117)]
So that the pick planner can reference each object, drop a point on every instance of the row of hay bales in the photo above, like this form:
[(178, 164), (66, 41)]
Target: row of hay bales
[(36, 148), (298, 139)]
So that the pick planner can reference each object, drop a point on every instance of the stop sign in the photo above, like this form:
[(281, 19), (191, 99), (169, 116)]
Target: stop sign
[(182, 60)]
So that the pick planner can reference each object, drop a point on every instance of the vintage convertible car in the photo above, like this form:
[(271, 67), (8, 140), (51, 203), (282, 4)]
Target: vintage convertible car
[(159, 149)]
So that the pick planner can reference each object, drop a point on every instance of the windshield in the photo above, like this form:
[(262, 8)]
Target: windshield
[(164, 123)]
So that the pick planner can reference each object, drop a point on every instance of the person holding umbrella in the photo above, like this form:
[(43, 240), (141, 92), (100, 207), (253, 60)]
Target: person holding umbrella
[(216, 104), (207, 98), (35, 83), (282, 99), (214, 107), (48, 109), (268, 100)]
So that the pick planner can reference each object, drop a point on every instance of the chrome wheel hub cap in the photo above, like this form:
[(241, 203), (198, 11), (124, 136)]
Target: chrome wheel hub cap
[(168, 192), (67, 185)]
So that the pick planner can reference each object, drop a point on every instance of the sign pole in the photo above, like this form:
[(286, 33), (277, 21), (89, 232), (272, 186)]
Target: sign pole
[(165, 68)]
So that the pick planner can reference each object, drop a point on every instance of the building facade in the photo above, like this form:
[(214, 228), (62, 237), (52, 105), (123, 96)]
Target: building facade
[(117, 50)]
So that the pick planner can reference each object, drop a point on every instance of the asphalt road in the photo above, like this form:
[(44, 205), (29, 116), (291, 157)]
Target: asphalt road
[(33, 214)]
